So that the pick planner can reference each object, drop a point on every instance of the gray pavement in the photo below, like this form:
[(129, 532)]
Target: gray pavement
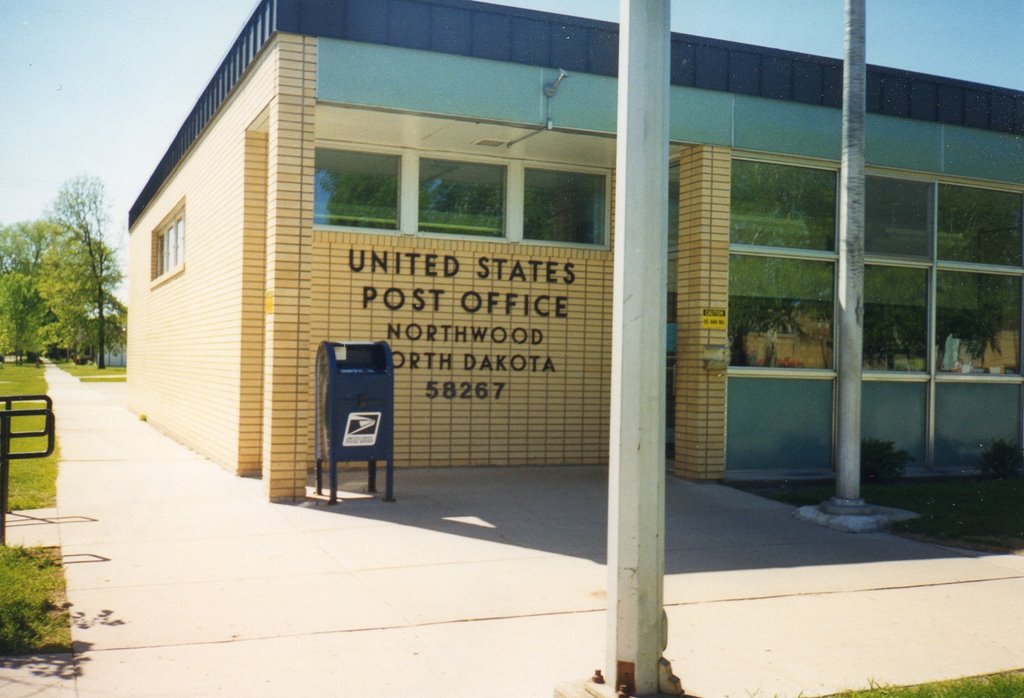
[(482, 582)]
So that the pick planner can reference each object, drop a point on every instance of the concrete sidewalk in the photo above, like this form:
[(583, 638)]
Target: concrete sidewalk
[(184, 581)]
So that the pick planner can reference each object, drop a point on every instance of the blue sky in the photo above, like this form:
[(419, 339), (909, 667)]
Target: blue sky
[(101, 86)]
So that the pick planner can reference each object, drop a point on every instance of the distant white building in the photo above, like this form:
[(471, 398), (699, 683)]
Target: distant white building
[(116, 356)]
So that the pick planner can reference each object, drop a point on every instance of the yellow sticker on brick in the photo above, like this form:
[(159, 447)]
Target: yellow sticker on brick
[(713, 319)]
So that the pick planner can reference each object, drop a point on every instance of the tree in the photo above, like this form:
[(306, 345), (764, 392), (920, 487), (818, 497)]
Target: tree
[(64, 285), (23, 312), (80, 214), (23, 245)]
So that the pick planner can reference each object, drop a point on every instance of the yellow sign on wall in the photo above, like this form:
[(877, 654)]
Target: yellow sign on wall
[(713, 319)]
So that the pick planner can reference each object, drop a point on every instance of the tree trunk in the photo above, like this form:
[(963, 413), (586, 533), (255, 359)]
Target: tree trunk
[(101, 358)]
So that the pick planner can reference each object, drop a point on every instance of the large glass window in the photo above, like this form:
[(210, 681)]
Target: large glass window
[(979, 225), (942, 296), (356, 189), (564, 207), (783, 206), (780, 312), (462, 198), (977, 322), (895, 318), (898, 217)]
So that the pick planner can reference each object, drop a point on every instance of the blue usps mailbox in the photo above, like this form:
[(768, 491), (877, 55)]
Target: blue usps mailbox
[(355, 387)]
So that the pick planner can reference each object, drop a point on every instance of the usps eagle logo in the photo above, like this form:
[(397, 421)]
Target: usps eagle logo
[(361, 429)]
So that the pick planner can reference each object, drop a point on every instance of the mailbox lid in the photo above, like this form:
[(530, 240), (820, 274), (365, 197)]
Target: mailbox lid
[(362, 357)]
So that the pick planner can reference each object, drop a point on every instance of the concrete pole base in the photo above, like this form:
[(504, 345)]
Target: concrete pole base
[(840, 506), (853, 519), (589, 689)]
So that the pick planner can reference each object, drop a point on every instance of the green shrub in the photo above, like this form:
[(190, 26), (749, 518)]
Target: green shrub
[(1000, 460), (880, 461)]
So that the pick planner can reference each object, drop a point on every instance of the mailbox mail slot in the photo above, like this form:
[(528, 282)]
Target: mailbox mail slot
[(355, 386)]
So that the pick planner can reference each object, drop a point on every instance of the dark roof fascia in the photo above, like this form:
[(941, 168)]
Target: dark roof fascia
[(255, 33), (531, 37)]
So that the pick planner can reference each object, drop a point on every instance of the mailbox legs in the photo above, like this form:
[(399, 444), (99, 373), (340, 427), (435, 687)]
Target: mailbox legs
[(371, 484), (389, 481)]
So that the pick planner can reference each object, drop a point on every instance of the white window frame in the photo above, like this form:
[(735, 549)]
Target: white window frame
[(168, 252)]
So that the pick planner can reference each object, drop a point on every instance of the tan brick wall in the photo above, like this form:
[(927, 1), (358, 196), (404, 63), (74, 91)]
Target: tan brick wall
[(544, 401), (187, 332), (703, 278)]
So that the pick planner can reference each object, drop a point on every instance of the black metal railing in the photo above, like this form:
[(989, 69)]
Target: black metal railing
[(9, 417)]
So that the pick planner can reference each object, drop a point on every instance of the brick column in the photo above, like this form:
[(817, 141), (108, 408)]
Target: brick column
[(254, 265), (288, 359), (703, 279)]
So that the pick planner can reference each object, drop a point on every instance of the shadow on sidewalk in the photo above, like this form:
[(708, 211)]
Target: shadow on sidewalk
[(563, 510)]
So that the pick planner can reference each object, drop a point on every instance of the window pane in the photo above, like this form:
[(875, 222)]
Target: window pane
[(170, 245), (564, 207), (896, 411), (780, 312), (783, 206), (462, 198), (356, 189), (161, 262), (895, 318), (779, 424), (979, 225), (897, 217), (977, 322), (179, 253), (969, 416)]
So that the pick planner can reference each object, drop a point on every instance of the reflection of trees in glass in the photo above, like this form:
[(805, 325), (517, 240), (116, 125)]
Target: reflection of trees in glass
[(359, 200), (771, 300), (563, 206), (897, 216), (975, 315), (356, 189), (979, 225), (462, 198), (783, 206), (895, 318)]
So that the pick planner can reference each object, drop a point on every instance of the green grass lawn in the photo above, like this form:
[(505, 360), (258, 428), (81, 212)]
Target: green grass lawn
[(966, 512), (998, 686), (88, 372), (33, 483), (33, 617)]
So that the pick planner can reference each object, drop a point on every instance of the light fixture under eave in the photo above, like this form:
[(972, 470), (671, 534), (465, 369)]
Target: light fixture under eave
[(490, 142)]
